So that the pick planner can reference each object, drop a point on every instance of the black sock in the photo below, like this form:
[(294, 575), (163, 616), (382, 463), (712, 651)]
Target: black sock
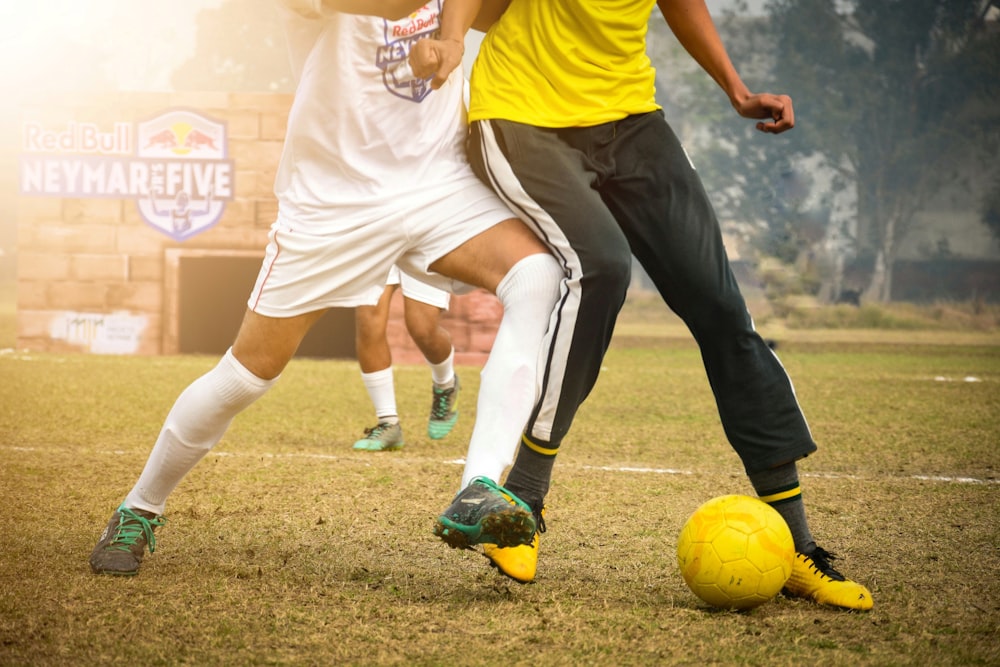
[(531, 474), (779, 488)]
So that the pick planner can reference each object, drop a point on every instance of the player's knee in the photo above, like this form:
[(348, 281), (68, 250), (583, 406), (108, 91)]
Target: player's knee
[(423, 332), (728, 318), (536, 278), (610, 272)]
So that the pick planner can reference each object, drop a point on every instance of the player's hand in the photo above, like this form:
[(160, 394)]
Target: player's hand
[(437, 58), (777, 108)]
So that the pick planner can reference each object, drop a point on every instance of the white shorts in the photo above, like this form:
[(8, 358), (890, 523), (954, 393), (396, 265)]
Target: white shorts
[(418, 290), (347, 265)]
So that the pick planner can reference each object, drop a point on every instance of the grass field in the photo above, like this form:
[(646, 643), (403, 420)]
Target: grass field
[(285, 547)]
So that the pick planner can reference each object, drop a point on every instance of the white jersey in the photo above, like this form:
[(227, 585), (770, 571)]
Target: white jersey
[(373, 172), (363, 132)]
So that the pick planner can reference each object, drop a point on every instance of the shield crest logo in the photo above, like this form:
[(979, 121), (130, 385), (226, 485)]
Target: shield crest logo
[(189, 173), (400, 36)]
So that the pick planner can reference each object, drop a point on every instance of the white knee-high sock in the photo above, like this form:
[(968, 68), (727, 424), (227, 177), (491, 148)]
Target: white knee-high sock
[(383, 394), (509, 386), (443, 374), (199, 418)]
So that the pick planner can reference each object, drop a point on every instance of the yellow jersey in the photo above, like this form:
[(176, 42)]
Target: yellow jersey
[(565, 63)]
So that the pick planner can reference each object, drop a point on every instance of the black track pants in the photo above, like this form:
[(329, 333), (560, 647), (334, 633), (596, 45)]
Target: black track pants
[(596, 196)]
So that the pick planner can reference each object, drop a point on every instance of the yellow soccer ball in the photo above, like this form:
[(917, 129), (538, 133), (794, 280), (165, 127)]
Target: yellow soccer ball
[(735, 552)]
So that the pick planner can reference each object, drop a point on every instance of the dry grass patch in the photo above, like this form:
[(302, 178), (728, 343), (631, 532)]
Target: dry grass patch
[(285, 547)]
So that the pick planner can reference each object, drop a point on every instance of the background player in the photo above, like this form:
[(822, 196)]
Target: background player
[(423, 305)]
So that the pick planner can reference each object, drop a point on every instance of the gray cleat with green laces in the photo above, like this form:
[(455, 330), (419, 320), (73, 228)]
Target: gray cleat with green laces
[(123, 543), (383, 437)]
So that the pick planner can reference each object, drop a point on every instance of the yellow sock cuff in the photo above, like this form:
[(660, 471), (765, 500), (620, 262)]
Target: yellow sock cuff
[(785, 495), (544, 451)]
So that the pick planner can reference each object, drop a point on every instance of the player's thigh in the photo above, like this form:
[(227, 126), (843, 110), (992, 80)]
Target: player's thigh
[(422, 307), (371, 344), (264, 345), (418, 290), (485, 259), (422, 321), (663, 208), (551, 184), (371, 321)]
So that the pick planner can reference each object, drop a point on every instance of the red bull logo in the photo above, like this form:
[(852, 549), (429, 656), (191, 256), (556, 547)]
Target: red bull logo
[(85, 138), (174, 165), (181, 140), (400, 36), (196, 140), (191, 178), (182, 133), (162, 139)]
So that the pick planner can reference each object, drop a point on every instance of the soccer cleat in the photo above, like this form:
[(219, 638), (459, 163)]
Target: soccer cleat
[(123, 543), (813, 577), (383, 437), (444, 411), (520, 562), (485, 512)]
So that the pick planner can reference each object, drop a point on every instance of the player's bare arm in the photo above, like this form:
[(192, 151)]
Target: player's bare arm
[(440, 57), (388, 9), (692, 24)]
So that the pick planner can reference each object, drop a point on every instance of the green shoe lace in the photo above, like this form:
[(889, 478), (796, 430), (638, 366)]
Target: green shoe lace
[(381, 437), (441, 404), (444, 411), (131, 527), (375, 432)]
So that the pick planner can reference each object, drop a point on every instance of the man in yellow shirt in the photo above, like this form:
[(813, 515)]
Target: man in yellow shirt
[(566, 129)]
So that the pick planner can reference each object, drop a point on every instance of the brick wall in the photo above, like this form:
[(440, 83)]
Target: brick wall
[(93, 276), (471, 319)]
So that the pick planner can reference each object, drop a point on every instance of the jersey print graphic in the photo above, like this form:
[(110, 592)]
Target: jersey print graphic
[(400, 36)]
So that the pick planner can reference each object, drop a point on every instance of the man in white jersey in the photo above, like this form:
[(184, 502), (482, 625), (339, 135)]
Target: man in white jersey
[(373, 174), (422, 308)]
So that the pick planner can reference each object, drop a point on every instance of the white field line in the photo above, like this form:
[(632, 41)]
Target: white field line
[(613, 469), (819, 475)]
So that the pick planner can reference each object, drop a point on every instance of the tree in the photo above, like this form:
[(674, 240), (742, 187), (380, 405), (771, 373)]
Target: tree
[(241, 48), (896, 101), (906, 91), (990, 209)]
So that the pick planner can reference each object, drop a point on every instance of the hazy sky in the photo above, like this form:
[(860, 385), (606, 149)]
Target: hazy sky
[(152, 36)]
